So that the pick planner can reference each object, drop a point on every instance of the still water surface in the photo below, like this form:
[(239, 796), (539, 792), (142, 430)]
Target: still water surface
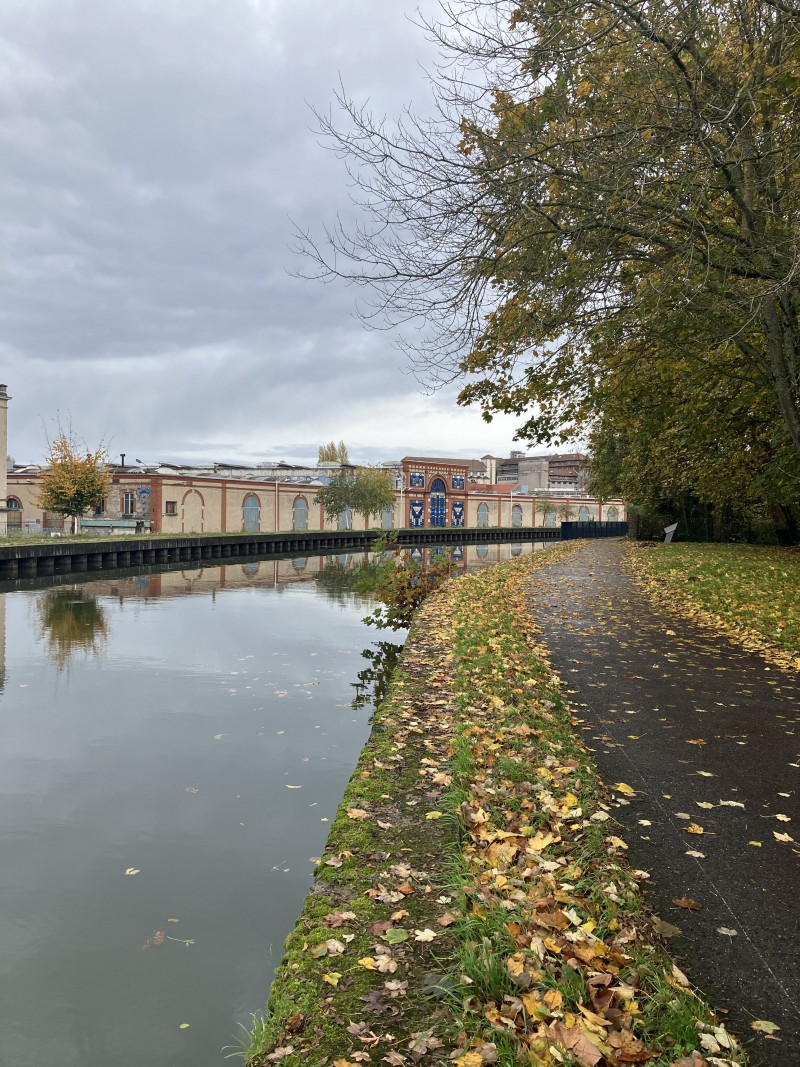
[(198, 728)]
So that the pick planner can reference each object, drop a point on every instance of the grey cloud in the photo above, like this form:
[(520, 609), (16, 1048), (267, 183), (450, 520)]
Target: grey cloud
[(152, 151)]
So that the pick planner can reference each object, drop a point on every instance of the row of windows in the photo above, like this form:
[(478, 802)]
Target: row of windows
[(251, 511), (417, 481)]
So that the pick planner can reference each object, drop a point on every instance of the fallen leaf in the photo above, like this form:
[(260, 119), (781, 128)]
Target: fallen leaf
[(394, 935), (763, 1026), (694, 828), (294, 787), (755, 844), (726, 930), (665, 929), (697, 741), (622, 787), (688, 903), (132, 870), (782, 837), (434, 815), (357, 813), (697, 855), (424, 935), (332, 978), (184, 1026)]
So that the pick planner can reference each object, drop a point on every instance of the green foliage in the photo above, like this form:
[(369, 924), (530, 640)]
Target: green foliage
[(401, 585), (366, 491), (604, 240), (77, 478), (333, 453)]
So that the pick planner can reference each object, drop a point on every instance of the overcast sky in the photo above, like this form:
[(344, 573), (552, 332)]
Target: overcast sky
[(153, 153)]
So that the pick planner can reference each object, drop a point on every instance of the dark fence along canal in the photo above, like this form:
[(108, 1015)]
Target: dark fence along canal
[(174, 744)]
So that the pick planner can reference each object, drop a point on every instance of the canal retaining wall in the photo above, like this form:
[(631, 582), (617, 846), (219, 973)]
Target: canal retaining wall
[(76, 556)]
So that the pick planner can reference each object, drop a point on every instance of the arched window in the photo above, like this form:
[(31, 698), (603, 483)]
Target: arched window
[(251, 514), (613, 514), (387, 518), (550, 517), (346, 519), (516, 515), (438, 502), (483, 515), (14, 516), (583, 514), (300, 513)]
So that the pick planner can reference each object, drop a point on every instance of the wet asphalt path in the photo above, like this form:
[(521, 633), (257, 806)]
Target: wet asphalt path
[(657, 709)]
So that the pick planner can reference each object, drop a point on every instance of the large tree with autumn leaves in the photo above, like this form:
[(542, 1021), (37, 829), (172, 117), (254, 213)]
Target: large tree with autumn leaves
[(607, 199)]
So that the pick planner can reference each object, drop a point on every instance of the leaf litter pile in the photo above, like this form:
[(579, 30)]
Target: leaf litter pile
[(748, 593), (473, 905)]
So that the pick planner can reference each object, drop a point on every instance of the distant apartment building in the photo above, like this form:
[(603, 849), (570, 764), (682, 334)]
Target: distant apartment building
[(559, 471)]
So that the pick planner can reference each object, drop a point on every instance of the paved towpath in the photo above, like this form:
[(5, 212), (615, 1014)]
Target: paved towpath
[(663, 700)]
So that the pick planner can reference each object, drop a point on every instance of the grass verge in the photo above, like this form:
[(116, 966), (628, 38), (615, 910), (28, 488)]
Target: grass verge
[(747, 592), (474, 905)]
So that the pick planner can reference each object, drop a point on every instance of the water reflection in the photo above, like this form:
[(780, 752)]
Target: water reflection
[(207, 747), (71, 620), (373, 681)]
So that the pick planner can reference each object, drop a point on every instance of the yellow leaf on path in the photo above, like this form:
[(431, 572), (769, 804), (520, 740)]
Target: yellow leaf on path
[(782, 837), (332, 978), (617, 842), (436, 815), (694, 828), (621, 787), (357, 813), (755, 844), (763, 1026), (368, 962), (697, 741)]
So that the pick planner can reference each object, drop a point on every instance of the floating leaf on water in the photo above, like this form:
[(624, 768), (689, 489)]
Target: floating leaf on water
[(132, 870)]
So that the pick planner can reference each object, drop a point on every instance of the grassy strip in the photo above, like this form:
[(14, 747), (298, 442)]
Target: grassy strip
[(747, 592), (474, 905), (364, 954)]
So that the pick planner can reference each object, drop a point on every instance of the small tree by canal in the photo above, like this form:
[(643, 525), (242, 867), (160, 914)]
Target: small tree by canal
[(366, 491), (77, 479)]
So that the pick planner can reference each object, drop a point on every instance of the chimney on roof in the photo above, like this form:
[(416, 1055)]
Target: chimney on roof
[(122, 459)]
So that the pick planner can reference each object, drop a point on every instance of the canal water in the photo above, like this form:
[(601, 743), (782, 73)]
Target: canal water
[(172, 748)]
